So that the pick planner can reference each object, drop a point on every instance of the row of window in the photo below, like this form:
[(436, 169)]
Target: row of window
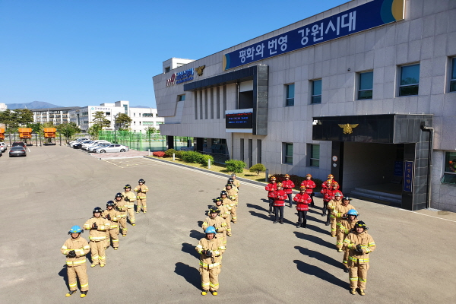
[(209, 103), (313, 154), (250, 152), (408, 84)]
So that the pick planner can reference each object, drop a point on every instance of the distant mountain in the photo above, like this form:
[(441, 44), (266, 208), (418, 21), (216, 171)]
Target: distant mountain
[(31, 105), (139, 107)]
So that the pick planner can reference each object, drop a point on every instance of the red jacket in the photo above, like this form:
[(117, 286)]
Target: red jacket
[(288, 186), (302, 201), (279, 198), (309, 184), (271, 188), (329, 194)]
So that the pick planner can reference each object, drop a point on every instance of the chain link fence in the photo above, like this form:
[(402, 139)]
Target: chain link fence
[(34, 140)]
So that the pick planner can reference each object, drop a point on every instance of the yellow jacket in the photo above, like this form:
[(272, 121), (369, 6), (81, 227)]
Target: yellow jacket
[(80, 247), (130, 203), (216, 246), (141, 191), (367, 244), (114, 215), (99, 234)]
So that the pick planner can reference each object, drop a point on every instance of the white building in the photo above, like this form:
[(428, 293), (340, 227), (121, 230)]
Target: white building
[(55, 115), (354, 91), (3, 107), (142, 118)]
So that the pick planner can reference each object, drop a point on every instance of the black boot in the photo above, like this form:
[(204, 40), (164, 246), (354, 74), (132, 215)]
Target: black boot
[(298, 225), (304, 224)]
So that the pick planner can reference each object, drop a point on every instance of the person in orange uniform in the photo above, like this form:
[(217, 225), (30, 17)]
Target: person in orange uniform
[(271, 188), (288, 186), (310, 185), (279, 203), (330, 179), (75, 250), (302, 200), (325, 187), (360, 244)]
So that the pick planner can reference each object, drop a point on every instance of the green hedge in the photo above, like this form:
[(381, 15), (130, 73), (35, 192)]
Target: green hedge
[(169, 152), (236, 166), (195, 157)]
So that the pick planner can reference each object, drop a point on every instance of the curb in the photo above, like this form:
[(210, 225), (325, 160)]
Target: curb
[(245, 180)]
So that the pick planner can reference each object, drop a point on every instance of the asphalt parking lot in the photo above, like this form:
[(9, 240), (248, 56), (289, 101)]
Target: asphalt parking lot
[(54, 188)]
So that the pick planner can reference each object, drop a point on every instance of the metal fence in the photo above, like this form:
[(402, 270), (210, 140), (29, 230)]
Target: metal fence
[(35, 140)]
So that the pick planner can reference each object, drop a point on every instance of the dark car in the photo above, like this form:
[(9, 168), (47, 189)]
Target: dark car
[(17, 151), (79, 145), (18, 144)]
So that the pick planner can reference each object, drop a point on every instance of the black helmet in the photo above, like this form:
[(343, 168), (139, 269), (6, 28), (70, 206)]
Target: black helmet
[(214, 209), (141, 181), (218, 199), (228, 185), (97, 210), (361, 224), (127, 186), (110, 203), (230, 180), (223, 192), (118, 195)]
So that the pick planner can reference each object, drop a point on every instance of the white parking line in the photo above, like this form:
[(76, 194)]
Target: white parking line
[(28, 149)]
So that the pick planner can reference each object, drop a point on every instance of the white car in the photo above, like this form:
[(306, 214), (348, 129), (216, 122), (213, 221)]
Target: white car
[(93, 143), (77, 141), (112, 148), (99, 145), (3, 147)]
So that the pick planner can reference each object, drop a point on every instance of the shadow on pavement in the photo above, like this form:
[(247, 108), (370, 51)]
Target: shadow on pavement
[(319, 256), (197, 234), (64, 274), (317, 229), (315, 219), (200, 223), (321, 274), (190, 274), (257, 207), (190, 249), (314, 239), (260, 215)]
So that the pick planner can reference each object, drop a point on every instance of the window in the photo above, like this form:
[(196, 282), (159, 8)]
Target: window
[(148, 115), (195, 97), (258, 151), (288, 153), (410, 79), (366, 82), (316, 92), (85, 113), (167, 69), (181, 97), (314, 155), (449, 176), (108, 113), (148, 123), (290, 93), (241, 149), (453, 75), (126, 109)]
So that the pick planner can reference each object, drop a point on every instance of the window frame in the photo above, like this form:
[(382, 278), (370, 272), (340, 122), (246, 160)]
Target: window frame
[(181, 97), (453, 71), (289, 101), (400, 86), (313, 159), (359, 90), (286, 158), (448, 174), (313, 96)]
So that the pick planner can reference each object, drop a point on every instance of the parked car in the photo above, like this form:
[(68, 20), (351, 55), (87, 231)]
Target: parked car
[(17, 151), (112, 148), (3, 147), (94, 143), (79, 145), (77, 141), (18, 143), (99, 145)]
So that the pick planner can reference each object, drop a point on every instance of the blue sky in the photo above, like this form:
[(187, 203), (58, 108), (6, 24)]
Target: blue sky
[(86, 52)]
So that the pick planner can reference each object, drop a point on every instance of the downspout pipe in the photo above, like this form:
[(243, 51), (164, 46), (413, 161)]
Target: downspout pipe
[(431, 145)]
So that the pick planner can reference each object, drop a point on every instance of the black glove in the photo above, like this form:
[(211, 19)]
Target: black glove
[(71, 254), (359, 249), (94, 226), (108, 217), (208, 253), (126, 199)]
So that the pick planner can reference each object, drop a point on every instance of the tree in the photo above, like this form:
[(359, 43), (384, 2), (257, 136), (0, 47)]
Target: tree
[(36, 127), (24, 116), (94, 131), (258, 168), (123, 121), (9, 118), (99, 119), (150, 130), (68, 129)]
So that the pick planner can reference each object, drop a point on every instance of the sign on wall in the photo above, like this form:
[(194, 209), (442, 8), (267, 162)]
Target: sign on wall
[(360, 18), (408, 176), (240, 121)]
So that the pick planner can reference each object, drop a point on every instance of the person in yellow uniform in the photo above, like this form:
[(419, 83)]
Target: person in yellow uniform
[(233, 196), (75, 250), (141, 191), (210, 249), (236, 182), (360, 245), (226, 202), (97, 235), (217, 222), (129, 197), (122, 208), (340, 213), (113, 216), (343, 229)]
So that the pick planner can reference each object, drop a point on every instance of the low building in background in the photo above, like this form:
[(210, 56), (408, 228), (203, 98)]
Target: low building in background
[(55, 115)]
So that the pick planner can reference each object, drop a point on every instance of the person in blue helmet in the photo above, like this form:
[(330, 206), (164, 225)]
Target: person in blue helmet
[(210, 249), (343, 229), (75, 250)]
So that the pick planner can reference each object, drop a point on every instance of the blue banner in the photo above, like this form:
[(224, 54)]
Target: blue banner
[(408, 176), (398, 168), (360, 18)]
